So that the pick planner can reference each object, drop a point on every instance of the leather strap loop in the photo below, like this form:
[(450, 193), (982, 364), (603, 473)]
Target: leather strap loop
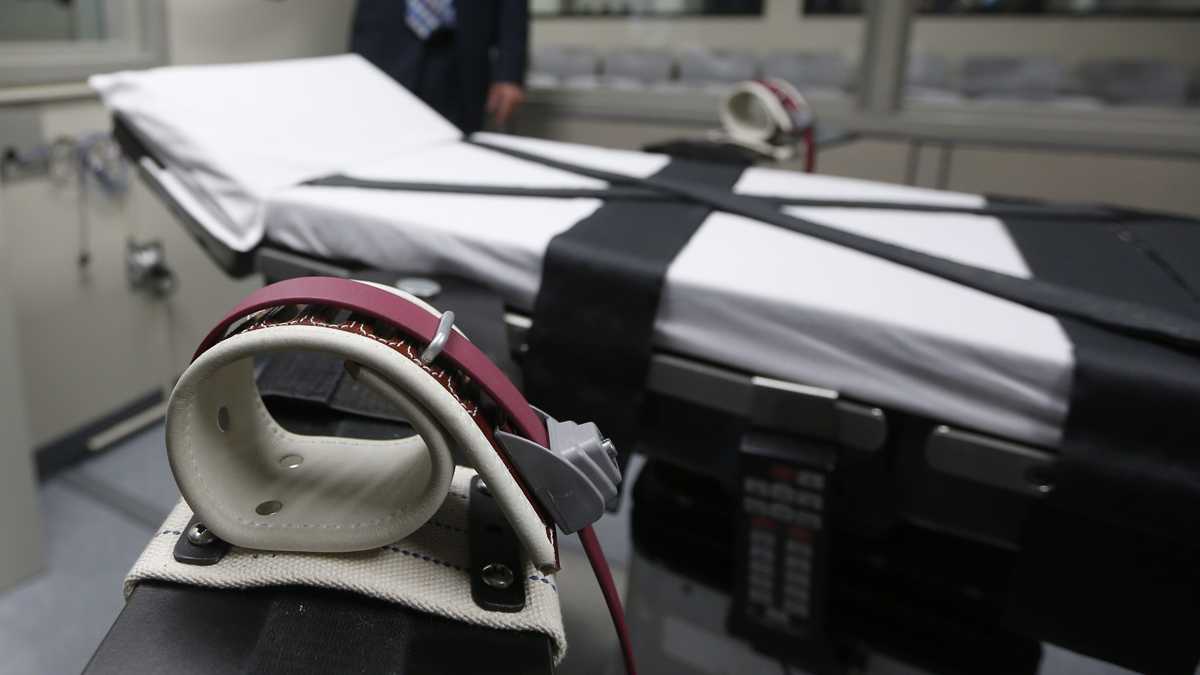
[(405, 315)]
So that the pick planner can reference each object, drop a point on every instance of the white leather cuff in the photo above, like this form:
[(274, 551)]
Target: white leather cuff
[(257, 485)]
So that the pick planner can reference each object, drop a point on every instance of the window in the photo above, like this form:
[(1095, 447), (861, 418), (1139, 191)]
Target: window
[(590, 8), (39, 20), (1026, 7), (44, 41)]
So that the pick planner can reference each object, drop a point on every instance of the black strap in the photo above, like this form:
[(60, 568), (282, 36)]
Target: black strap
[(315, 394), (1122, 316), (593, 321), (1111, 560), (1060, 212), (340, 180), (188, 630)]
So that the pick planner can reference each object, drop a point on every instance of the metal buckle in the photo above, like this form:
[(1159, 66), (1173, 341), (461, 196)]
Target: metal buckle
[(438, 343), (575, 478)]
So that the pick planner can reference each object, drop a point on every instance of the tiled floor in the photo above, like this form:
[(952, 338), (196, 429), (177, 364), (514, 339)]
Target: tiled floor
[(99, 515)]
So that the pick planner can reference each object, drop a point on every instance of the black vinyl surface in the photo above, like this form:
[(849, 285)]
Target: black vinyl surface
[(169, 628), (1112, 557)]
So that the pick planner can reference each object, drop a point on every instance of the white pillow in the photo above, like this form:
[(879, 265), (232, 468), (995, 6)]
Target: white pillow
[(234, 134)]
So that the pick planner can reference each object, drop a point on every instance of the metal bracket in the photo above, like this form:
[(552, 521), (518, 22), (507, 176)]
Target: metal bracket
[(815, 411), (575, 478), (146, 267), (199, 546), (991, 461), (768, 403), (497, 569)]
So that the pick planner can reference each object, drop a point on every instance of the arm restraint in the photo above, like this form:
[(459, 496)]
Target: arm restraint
[(257, 485), (770, 116)]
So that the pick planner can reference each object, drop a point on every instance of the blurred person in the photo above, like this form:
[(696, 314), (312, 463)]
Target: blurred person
[(462, 57)]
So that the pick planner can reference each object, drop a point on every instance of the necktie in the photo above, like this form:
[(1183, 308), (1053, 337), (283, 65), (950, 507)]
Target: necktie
[(426, 16)]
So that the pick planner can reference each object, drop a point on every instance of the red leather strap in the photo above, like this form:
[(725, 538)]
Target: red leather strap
[(403, 314), (810, 150), (595, 556), (466, 357)]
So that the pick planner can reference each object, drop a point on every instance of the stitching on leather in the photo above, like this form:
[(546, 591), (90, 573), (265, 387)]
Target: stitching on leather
[(445, 526), (390, 548), (422, 556), (544, 580), (430, 521)]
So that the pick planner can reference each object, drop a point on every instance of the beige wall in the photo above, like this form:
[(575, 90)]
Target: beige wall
[(20, 528), (88, 343), (227, 31), (1165, 185), (1066, 39), (781, 27)]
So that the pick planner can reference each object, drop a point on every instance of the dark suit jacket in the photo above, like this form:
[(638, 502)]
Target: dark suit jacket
[(490, 45)]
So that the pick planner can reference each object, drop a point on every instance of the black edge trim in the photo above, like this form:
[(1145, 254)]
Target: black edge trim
[(71, 448)]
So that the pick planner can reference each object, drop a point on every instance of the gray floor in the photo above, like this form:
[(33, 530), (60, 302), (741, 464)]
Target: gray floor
[(97, 518), (99, 515)]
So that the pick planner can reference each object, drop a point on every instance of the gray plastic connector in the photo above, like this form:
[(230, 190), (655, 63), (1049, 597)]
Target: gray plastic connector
[(575, 478)]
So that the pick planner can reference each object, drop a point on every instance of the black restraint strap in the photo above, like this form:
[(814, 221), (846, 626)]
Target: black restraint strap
[(618, 193), (590, 344), (1111, 560), (1126, 501), (1129, 318), (1071, 212)]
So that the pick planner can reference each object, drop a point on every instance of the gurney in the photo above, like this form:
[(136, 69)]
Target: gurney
[(837, 395)]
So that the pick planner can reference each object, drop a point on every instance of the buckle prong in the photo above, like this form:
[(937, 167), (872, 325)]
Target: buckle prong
[(438, 343)]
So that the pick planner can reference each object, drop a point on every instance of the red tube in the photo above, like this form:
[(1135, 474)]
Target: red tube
[(595, 555)]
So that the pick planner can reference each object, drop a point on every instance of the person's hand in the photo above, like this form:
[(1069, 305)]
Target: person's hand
[(503, 99)]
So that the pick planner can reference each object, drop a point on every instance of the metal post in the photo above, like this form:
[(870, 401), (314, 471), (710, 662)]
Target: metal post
[(914, 162), (884, 58), (20, 531), (944, 160)]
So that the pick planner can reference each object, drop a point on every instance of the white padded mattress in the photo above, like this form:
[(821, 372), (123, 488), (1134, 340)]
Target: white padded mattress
[(238, 140)]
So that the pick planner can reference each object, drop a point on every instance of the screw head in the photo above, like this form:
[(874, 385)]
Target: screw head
[(291, 461), (1040, 478), (199, 535), (497, 575)]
